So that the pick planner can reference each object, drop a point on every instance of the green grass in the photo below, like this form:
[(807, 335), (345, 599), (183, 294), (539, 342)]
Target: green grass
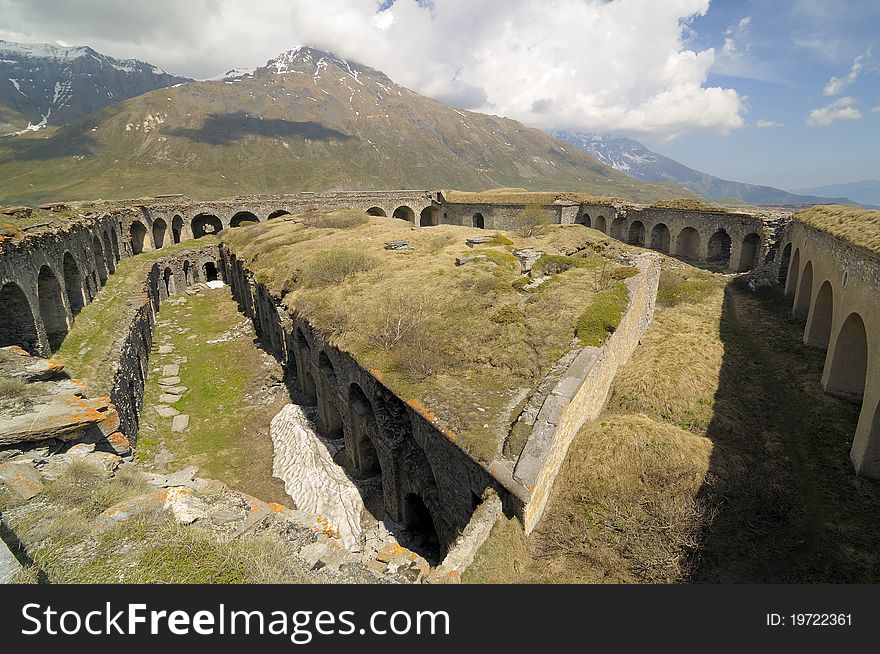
[(227, 437), (89, 349), (602, 315)]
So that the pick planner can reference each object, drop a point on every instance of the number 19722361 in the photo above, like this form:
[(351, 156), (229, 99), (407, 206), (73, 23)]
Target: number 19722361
[(810, 620)]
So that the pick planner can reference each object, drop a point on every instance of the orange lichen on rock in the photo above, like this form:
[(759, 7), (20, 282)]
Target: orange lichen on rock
[(430, 416)]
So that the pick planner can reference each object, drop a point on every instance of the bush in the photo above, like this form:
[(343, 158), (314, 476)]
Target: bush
[(554, 264), (531, 221), (334, 266), (346, 219), (509, 314), (677, 287), (602, 317)]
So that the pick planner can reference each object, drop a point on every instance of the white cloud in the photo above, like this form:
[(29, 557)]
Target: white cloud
[(580, 64), (837, 84), (767, 123), (875, 110), (840, 109)]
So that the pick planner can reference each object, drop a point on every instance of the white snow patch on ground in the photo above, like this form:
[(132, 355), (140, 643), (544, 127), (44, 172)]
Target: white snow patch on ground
[(312, 479)]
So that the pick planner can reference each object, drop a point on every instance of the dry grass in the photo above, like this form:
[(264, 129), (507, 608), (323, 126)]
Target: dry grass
[(523, 197), (719, 459), (436, 332), (688, 204), (860, 227)]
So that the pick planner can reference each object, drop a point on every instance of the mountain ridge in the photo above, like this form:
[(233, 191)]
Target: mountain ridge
[(633, 158), (307, 120), (42, 84)]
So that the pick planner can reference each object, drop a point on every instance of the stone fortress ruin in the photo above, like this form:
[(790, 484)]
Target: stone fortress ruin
[(427, 480)]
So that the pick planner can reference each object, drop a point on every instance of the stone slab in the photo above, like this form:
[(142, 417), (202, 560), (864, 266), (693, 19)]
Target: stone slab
[(180, 423), (165, 411), (170, 370)]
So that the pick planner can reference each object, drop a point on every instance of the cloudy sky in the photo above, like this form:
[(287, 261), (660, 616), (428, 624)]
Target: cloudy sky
[(785, 93)]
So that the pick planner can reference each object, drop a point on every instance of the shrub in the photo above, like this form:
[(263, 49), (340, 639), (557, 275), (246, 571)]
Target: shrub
[(602, 317), (531, 221), (554, 264), (345, 219), (677, 287), (334, 266), (509, 314)]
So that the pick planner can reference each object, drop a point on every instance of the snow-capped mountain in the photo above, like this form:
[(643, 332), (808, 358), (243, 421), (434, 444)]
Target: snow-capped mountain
[(631, 157), (43, 84)]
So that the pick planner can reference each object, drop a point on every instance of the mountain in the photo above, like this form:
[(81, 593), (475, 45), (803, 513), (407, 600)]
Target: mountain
[(866, 192), (634, 159), (43, 84), (308, 120)]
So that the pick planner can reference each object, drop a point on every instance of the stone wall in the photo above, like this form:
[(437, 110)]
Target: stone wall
[(45, 280), (418, 463), (833, 286), (582, 392)]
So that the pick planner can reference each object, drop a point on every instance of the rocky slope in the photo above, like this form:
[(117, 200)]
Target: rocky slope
[(631, 157), (305, 121), (43, 84)]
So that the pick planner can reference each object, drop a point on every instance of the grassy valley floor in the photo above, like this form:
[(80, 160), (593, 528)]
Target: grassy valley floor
[(234, 389), (718, 459)]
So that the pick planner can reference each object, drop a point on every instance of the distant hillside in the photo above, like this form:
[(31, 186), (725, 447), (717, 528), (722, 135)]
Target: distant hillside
[(305, 121), (866, 192), (634, 159), (43, 84)]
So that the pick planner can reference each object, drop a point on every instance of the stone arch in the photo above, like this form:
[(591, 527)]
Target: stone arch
[(278, 213), (187, 273), (115, 240), (600, 224), (618, 228), (719, 247), (804, 293), (160, 228), (366, 428), (177, 229), (302, 342), (584, 219), (333, 427), (418, 518), (818, 331), (784, 263), (430, 217), (748, 254), (138, 236), (209, 269), (478, 221), (848, 365), (100, 261), (73, 284), (636, 234), (404, 212), (377, 211), (791, 283), (204, 224), (243, 217), (109, 259), (326, 367), (170, 286), (309, 389), (17, 324), (687, 244), (661, 238), (51, 307)]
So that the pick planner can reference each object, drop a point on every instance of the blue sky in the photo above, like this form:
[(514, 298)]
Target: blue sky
[(781, 62)]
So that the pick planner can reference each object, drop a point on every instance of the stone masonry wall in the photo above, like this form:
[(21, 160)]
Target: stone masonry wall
[(415, 454), (581, 394)]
